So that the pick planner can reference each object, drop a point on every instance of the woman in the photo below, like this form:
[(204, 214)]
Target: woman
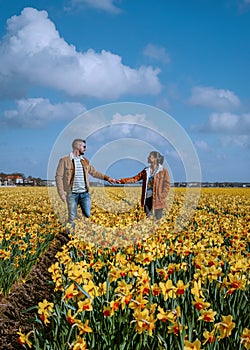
[(155, 185)]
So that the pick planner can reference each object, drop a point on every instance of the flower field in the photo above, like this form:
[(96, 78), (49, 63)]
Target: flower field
[(126, 282)]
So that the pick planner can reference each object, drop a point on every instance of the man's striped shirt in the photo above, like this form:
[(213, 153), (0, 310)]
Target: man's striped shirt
[(79, 184)]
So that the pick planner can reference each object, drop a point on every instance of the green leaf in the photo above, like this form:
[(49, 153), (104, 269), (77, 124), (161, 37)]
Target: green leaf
[(83, 290)]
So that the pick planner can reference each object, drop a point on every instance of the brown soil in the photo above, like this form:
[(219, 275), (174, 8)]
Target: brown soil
[(24, 296)]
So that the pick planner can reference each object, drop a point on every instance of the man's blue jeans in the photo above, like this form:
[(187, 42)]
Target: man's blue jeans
[(73, 199)]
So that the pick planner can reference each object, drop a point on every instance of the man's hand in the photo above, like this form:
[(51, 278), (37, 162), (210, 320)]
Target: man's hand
[(63, 198)]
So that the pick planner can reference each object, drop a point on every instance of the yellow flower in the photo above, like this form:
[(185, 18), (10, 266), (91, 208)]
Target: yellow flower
[(196, 345), (79, 344), (85, 305), (162, 273), (71, 319), (123, 287), (144, 258), (124, 299), (167, 289), (102, 288), (83, 327), (70, 292), (144, 321), (77, 273), (245, 338), (144, 289), (108, 311), (225, 327), (114, 274), (177, 311), (165, 315), (197, 289), (56, 276), (181, 287), (200, 304), (213, 273), (91, 289), (138, 303), (175, 328), (114, 304), (235, 282), (45, 310), (5, 255), (132, 269), (98, 265), (209, 337), (24, 339), (207, 315)]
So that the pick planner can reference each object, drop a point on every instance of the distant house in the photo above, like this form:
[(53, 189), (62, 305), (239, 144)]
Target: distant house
[(19, 180), (13, 179)]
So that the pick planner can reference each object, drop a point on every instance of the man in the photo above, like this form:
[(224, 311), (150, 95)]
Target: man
[(72, 180)]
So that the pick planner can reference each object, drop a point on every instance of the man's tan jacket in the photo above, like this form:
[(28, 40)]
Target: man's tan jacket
[(66, 170)]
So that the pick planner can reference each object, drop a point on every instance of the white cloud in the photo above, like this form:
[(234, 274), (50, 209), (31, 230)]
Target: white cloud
[(102, 5), (217, 99), (156, 52), (201, 144), (171, 154), (32, 53), (37, 112), (129, 124), (230, 123), (133, 126), (234, 128), (129, 118), (242, 141)]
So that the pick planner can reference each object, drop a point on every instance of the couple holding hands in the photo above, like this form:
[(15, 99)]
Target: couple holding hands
[(73, 184)]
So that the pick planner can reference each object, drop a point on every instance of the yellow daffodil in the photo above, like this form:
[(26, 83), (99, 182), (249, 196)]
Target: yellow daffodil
[(45, 310), (196, 345), (197, 289), (176, 328), (209, 337), (85, 305), (83, 327), (200, 304), (207, 315), (181, 287), (79, 344), (144, 321), (164, 316), (245, 338), (108, 311), (71, 319), (225, 327), (167, 289), (24, 338), (156, 290), (138, 303), (70, 292)]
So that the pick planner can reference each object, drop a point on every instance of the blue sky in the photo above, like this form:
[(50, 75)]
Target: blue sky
[(189, 59)]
